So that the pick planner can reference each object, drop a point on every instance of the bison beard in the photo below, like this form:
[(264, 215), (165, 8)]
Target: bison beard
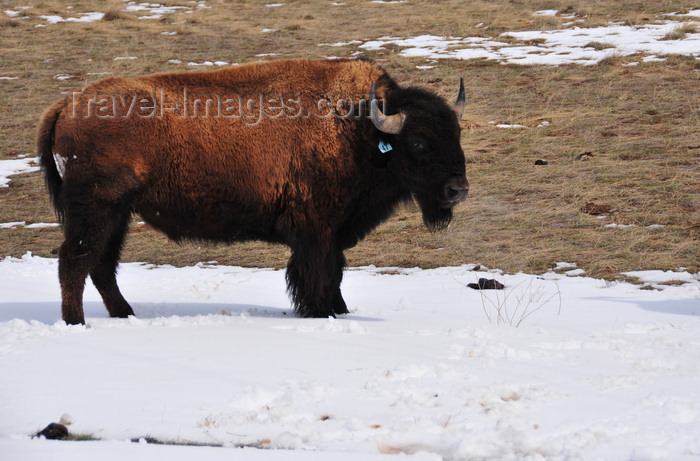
[(312, 183), (436, 219)]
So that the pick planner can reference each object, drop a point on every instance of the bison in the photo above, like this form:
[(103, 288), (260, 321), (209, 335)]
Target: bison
[(294, 152)]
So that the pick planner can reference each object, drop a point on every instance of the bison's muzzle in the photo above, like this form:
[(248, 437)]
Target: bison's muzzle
[(455, 191)]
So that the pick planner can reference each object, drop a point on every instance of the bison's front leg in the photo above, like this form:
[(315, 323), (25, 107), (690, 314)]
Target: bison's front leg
[(314, 273), (339, 306)]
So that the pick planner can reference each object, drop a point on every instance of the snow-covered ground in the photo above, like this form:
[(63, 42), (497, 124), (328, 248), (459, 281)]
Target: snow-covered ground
[(20, 165), (569, 45), (145, 10), (423, 366), (573, 45)]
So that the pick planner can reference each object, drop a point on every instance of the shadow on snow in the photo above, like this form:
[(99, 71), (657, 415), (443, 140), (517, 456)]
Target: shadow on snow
[(50, 312)]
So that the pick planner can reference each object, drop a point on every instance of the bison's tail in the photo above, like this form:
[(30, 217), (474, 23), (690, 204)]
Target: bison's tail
[(45, 139)]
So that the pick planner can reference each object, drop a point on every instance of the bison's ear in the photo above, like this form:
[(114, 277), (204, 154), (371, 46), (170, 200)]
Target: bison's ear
[(461, 101), (390, 124)]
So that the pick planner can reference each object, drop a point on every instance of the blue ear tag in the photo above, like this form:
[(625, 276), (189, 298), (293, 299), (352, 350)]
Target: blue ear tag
[(384, 147)]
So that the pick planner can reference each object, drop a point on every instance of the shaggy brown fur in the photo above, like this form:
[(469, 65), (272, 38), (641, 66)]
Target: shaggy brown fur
[(263, 151)]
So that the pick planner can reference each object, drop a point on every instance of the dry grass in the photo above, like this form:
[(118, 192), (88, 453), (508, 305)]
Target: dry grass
[(680, 32), (640, 124), (599, 46)]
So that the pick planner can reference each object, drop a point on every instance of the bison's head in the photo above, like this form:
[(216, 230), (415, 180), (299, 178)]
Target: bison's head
[(427, 158)]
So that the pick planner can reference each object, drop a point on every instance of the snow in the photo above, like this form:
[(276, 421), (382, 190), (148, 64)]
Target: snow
[(507, 125), (16, 166), (154, 10), (629, 226), (53, 19), (207, 63), (545, 13), (45, 450), (84, 17), (597, 370), (562, 46), (693, 13), (88, 17), (663, 276), (11, 225), (652, 59), (16, 224)]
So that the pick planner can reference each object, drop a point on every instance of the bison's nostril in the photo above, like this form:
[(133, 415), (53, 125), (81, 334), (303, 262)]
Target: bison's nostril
[(456, 189), (457, 194)]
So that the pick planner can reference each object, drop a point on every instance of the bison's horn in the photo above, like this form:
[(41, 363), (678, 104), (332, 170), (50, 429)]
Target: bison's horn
[(391, 124), (459, 104)]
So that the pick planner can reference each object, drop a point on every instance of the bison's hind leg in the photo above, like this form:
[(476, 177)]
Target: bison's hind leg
[(104, 272), (94, 232)]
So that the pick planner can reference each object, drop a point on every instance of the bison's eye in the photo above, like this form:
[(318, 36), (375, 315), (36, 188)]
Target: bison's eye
[(417, 146)]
